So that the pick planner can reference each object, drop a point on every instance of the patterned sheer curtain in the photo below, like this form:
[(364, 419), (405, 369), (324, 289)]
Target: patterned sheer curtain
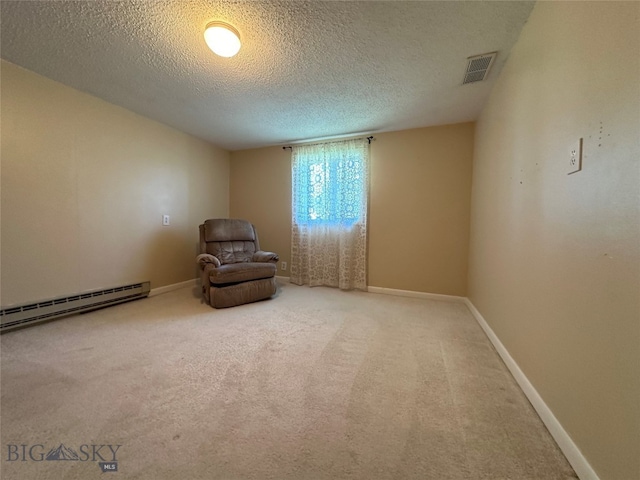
[(329, 209)]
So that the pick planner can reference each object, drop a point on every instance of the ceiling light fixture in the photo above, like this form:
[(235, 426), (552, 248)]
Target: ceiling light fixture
[(222, 39)]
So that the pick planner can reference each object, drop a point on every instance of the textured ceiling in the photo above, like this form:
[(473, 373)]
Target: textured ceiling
[(306, 69)]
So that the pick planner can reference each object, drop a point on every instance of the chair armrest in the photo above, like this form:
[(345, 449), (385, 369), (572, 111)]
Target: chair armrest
[(261, 256), (204, 259)]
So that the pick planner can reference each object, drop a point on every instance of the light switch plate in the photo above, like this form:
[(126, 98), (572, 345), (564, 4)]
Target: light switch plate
[(575, 157)]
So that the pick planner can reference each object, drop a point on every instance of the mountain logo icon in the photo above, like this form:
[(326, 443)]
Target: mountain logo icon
[(62, 453)]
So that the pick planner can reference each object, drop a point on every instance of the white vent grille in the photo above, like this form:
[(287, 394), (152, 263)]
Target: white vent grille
[(23, 315), (478, 67)]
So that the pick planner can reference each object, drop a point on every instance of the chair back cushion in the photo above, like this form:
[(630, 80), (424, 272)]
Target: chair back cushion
[(228, 230), (230, 240)]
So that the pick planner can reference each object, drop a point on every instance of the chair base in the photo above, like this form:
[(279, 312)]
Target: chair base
[(241, 293)]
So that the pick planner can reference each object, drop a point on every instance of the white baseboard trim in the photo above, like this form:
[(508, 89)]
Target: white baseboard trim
[(413, 294), (174, 286), (402, 293), (562, 438)]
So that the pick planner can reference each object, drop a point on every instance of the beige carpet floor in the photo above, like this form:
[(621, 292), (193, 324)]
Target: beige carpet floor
[(313, 384)]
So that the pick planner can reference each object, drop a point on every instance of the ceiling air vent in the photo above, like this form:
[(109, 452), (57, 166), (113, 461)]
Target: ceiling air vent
[(478, 67)]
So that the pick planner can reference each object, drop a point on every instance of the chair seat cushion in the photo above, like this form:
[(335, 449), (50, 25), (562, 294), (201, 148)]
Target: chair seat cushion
[(241, 272), (241, 293)]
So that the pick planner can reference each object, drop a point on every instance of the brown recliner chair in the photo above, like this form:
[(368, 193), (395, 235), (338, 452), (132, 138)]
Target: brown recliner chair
[(233, 269)]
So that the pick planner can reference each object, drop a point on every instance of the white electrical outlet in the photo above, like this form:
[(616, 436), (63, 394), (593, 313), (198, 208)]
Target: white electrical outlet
[(575, 157), (283, 265), (166, 220)]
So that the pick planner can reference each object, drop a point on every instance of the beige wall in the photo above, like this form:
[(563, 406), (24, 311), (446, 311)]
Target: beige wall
[(419, 209), (261, 193), (555, 259), (419, 203), (84, 187)]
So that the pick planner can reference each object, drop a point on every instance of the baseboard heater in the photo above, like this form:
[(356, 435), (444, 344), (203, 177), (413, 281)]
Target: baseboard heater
[(28, 314)]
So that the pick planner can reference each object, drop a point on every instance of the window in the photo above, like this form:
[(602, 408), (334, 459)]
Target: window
[(330, 183)]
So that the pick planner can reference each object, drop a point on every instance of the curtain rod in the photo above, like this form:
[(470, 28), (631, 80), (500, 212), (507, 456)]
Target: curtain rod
[(290, 147)]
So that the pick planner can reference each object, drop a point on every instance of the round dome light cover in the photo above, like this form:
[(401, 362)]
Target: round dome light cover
[(222, 39)]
